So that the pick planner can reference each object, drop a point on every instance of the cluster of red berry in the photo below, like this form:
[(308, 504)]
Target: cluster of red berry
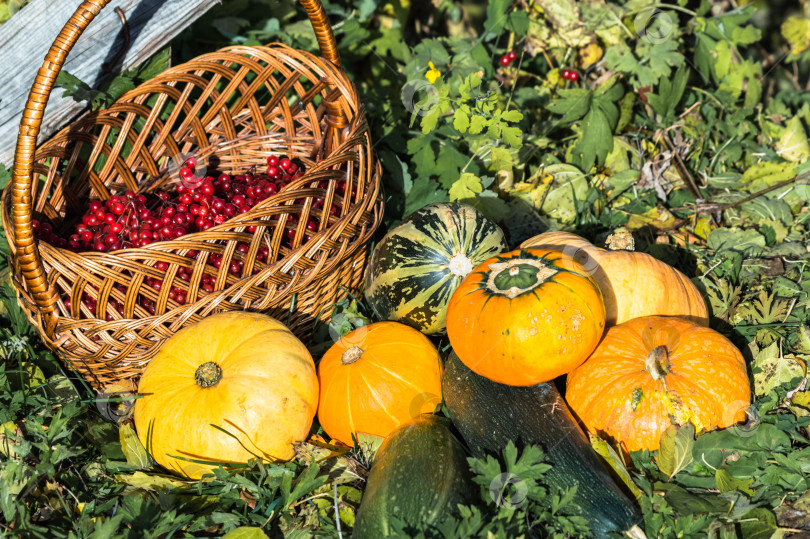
[(197, 203), (508, 58), (570, 74)]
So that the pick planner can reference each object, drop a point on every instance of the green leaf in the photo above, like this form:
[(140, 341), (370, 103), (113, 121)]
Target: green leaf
[(424, 191), (518, 22), (424, 157), (726, 482), (73, 87), (675, 452), (461, 118), (246, 532), (132, 447), (229, 26), (449, 164), (488, 203), (566, 196), (496, 16), (154, 67), (747, 241), (477, 124), (466, 186), (595, 141), (572, 105), (511, 135), (759, 523), (501, 159), (470, 83), (512, 116), (669, 93)]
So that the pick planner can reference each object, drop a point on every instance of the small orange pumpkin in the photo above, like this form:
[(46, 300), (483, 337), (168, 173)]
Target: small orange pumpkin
[(633, 284), (654, 371), (243, 372), (525, 317), (377, 378)]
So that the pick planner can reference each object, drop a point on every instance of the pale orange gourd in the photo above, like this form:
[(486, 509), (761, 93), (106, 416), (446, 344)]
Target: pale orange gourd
[(243, 372), (633, 284), (654, 371), (377, 378)]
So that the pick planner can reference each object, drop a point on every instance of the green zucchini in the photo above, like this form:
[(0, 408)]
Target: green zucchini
[(420, 474), (488, 415)]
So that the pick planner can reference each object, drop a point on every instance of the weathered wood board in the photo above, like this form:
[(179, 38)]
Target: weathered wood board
[(26, 37)]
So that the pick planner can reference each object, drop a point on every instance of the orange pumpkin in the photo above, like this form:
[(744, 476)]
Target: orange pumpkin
[(525, 317), (243, 372), (654, 371), (377, 378), (633, 284)]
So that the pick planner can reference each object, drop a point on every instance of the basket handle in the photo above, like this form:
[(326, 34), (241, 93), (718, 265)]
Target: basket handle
[(26, 251)]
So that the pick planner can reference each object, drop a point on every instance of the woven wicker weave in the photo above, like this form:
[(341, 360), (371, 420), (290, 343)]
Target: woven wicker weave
[(236, 105)]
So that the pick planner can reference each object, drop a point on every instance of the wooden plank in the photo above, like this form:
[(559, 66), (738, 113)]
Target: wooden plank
[(26, 37)]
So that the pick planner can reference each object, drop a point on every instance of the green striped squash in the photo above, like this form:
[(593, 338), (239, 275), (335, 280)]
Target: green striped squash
[(418, 265)]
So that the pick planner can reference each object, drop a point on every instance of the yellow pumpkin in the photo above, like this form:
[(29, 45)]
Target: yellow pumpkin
[(633, 284), (243, 372)]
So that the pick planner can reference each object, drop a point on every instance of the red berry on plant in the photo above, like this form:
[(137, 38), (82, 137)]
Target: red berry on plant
[(512, 55)]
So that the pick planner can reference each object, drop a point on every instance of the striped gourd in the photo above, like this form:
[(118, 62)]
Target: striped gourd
[(417, 266)]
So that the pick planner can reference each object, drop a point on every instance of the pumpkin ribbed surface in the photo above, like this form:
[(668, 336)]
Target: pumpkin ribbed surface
[(417, 266), (377, 378), (633, 284), (243, 372), (654, 371), (526, 317)]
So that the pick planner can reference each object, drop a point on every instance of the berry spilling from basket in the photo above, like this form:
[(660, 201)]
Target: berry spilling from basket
[(197, 202)]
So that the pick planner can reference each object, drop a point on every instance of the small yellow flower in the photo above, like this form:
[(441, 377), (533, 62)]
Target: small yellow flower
[(432, 73)]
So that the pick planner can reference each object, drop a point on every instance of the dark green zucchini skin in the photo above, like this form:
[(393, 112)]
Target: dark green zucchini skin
[(488, 415), (420, 473)]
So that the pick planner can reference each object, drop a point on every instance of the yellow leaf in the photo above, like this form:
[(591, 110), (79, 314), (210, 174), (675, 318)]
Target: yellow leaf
[(772, 368), (703, 227), (245, 532), (132, 447), (793, 145), (796, 30), (658, 217), (151, 482), (607, 452), (589, 55)]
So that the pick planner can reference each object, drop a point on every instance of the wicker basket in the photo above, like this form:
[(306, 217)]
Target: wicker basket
[(236, 105)]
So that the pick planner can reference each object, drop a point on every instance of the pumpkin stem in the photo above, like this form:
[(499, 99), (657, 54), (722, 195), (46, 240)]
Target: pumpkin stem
[(657, 362), (620, 240), (208, 374), (460, 265), (516, 276), (351, 355)]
